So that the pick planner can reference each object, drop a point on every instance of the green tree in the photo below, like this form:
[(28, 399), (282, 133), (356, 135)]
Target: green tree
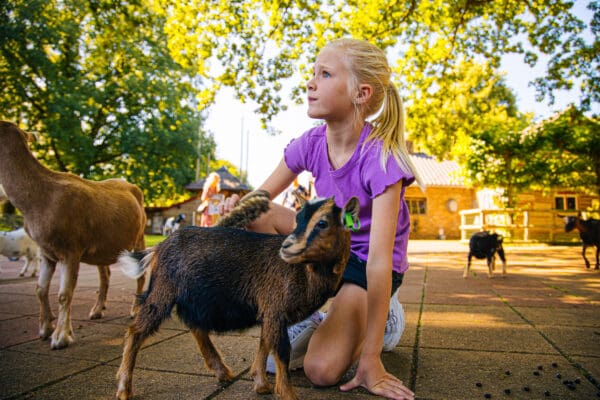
[(498, 159), (568, 151), (476, 103), (95, 79), (253, 45)]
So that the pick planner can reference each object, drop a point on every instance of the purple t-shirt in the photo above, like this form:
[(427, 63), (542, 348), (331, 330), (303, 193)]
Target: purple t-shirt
[(362, 176)]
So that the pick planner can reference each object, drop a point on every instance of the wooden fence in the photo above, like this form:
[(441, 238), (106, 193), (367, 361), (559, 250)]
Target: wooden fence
[(519, 225)]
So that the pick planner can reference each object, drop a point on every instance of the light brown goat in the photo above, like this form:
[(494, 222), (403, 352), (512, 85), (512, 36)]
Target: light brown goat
[(73, 220)]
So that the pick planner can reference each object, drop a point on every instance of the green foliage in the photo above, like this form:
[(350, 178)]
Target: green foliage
[(94, 78), (563, 151), (255, 43), (499, 158), (475, 101), (567, 151), (114, 87)]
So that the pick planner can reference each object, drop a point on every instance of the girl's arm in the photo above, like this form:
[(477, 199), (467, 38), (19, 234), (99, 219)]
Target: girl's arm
[(379, 266), (279, 219), (370, 372), (279, 180)]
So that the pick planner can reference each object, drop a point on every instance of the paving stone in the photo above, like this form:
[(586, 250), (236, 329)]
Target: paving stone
[(582, 315), (100, 342), (180, 354), (21, 372), (488, 337), (452, 374), (574, 340), (100, 383)]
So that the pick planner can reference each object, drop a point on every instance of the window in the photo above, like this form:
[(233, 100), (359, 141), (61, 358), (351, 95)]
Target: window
[(417, 206), (565, 202)]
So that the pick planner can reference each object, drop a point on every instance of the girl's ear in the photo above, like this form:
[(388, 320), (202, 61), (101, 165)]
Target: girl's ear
[(364, 94)]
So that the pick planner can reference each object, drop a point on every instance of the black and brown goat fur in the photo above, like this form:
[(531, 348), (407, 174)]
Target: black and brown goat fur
[(485, 245), (225, 279), (589, 232)]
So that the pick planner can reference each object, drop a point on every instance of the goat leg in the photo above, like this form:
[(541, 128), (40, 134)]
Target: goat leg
[(491, 262), (134, 338), (63, 333), (468, 266), (211, 355), (258, 372), (104, 277), (135, 307), (24, 269), (139, 246), (503, 259), (597, 254), (42, 288), (587, 263), (282, 348)]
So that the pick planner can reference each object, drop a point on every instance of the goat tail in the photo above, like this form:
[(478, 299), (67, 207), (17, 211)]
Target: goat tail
[(134, 263), (248, 209)]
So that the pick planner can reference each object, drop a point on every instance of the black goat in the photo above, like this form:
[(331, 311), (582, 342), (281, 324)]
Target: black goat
[(485, 245), (223, 279), (589, 232)]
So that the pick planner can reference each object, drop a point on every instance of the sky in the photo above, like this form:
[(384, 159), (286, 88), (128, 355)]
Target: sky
[(232, 122)]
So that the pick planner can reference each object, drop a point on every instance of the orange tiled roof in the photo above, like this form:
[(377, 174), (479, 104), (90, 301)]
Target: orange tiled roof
[(437, 173)]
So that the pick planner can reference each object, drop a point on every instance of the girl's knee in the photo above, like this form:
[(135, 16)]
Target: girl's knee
[(320, 372)]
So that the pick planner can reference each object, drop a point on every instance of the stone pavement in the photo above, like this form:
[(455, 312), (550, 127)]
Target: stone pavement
[(464, 339)]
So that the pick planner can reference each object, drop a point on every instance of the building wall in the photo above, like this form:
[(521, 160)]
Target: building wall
[(441, 219), (538, 200), (157, 218)]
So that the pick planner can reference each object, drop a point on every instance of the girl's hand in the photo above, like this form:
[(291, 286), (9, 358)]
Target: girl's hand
[(371, 375), (230, 203)]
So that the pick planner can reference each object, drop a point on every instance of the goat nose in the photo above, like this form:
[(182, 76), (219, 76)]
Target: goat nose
[(288, 242)]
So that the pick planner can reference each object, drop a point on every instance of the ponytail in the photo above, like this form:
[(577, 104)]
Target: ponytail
[(388, 127)]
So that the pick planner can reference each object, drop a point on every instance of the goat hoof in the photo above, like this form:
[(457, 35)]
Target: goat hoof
[(288, 395), (123, 395), (134, 310), (60, 341), (96, 314), (224, 374), (45, 332), (263, 388)]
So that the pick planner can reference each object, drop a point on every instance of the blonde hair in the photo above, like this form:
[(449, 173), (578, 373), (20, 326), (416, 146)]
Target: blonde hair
[(368, 64), (213, 181)]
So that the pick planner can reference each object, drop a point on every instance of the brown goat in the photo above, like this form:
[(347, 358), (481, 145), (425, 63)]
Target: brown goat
[(589, 232), (223, 279), (72, 220)]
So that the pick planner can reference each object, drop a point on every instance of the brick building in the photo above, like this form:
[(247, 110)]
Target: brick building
[(434, 213)]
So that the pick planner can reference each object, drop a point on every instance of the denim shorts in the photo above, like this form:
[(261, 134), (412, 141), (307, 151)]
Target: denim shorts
[(356, 273)]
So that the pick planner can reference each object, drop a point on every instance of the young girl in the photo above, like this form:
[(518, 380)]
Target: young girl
[(348, 157)]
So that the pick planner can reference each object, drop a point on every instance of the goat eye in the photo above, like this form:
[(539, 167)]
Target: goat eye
[(322, 224)]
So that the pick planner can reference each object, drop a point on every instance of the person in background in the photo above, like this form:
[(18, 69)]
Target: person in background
[(209, 213)]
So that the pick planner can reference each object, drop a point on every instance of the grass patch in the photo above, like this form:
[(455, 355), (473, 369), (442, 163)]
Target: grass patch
[(153, 240)]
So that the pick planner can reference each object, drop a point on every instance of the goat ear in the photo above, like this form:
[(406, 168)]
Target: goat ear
[(301, 199), (350, 213)]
